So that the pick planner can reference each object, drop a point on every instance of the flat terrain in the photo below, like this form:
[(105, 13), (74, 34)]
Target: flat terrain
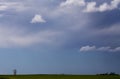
[(58, 77)]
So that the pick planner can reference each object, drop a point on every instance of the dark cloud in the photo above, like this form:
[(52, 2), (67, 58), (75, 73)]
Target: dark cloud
[(105, 19), (76, 27)]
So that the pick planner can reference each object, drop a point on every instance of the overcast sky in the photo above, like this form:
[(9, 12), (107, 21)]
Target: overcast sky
[(59, 36)]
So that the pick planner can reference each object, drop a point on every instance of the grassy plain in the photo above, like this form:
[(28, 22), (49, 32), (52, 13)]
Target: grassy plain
[(58, 77)]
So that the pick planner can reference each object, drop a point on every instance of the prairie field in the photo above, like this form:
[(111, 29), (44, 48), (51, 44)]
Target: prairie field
[(58, 77)]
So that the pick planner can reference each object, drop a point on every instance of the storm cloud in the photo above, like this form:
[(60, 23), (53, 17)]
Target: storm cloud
[(66, 21)]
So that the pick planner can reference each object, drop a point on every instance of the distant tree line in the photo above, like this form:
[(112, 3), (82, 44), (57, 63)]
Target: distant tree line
[(111, 73), (4, 78)]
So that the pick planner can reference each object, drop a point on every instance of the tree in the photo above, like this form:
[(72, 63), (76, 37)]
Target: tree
[(14, 72)]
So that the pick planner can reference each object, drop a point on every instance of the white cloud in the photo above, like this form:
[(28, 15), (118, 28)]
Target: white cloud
[(87, 48), (103, 7), (91, 6), (99, 49), (104, 48), (3, 7), (17, 6), (69, 7), (73, 3), (38, 19)]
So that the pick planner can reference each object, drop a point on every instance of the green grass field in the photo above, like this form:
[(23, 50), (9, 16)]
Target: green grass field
[(59, 77)]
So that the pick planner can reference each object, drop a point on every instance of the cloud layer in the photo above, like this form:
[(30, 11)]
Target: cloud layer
[(41, 21), (18, 38)]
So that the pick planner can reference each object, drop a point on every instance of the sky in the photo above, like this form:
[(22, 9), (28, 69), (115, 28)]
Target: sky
[(59, 36)]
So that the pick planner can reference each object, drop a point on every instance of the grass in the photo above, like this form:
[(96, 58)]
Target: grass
[(58, 77)]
